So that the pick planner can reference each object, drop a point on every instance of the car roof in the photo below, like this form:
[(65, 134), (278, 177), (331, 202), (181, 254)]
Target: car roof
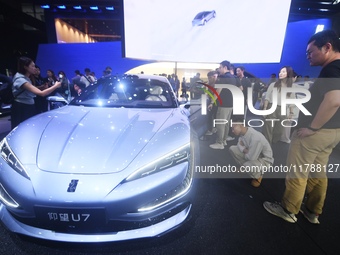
[(151, 76)]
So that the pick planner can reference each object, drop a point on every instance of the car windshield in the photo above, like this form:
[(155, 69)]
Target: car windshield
[(129, 91), (200, 15)]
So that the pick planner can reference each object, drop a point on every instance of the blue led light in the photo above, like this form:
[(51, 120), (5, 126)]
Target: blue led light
[(46, 6), (78, 7), (109, 8), (61, 7), (94, 8)]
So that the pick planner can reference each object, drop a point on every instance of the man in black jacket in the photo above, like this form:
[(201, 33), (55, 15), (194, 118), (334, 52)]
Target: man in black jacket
[(224, 110)]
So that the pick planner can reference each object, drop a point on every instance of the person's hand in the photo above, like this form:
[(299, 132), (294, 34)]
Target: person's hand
[(304, 132), (57, 84), (43, 87)]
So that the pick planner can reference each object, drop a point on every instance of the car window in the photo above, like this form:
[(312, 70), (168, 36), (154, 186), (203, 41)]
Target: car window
[(200, 15), (127, 92)]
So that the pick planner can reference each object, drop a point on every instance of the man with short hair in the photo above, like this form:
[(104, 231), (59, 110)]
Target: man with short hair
[(195, 92), (87, 79), (315, 137), (107, 72), (224, 110), (252, 151)]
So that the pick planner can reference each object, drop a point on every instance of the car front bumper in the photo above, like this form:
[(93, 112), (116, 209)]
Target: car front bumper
[(152, 230)]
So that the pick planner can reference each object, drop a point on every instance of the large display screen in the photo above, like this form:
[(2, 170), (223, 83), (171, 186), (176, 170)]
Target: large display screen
[(201, 31)]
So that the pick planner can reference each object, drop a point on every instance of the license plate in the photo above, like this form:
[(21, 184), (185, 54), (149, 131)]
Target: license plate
[(82, 218)]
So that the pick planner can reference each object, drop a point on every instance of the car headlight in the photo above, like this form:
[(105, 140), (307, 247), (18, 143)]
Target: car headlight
[(11, 159), (6, 199), (171, 159)]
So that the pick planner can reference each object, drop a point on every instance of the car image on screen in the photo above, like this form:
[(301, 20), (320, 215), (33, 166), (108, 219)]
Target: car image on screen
[(115, 164), (203, 17)]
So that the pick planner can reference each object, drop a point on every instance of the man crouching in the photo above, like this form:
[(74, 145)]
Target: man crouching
[(252, 150)]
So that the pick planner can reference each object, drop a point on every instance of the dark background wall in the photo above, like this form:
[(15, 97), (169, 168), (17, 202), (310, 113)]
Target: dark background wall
[(96, 56), (294, 49)]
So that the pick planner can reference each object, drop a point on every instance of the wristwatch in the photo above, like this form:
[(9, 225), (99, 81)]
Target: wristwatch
[(313, 129)]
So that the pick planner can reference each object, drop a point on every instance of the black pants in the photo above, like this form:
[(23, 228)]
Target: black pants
[(21, 112)]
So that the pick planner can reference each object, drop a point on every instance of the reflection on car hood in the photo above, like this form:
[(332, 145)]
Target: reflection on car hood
[(93, 140)]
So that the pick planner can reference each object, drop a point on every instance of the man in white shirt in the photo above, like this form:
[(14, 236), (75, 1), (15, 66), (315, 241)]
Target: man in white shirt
[(252, 151), (87, 79)]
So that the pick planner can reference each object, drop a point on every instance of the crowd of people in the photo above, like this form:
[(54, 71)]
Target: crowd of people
[(31, 89), (311, 141)]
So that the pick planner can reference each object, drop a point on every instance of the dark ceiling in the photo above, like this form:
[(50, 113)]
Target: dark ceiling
[(103, 25)]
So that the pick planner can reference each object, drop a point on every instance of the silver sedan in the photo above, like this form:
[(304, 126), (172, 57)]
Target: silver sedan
[(115, 164)]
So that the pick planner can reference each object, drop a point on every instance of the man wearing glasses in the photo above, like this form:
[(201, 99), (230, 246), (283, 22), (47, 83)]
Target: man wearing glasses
[(315, 137)]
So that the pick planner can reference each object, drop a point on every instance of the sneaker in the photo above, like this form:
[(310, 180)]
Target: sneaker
[(217, 146), (310, 216), (277, 210), (230, 138), (256, 182), (208, 132)]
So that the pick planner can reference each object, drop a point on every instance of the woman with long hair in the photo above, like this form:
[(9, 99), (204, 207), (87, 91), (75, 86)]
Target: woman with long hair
[(272, 130), (24, 92), (51, 77)]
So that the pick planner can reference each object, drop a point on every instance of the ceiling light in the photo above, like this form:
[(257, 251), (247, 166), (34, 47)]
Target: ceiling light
[(94, 8), (319, 28), (46, 6), (109, 8), (63, 7), (78, 7)]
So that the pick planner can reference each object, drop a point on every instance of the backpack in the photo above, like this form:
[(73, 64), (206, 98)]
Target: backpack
[(6, 94)]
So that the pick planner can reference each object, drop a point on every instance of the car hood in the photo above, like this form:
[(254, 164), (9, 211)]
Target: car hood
[(88, 140)]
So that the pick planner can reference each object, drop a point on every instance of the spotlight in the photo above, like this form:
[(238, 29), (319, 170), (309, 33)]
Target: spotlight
[(319, 28)]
